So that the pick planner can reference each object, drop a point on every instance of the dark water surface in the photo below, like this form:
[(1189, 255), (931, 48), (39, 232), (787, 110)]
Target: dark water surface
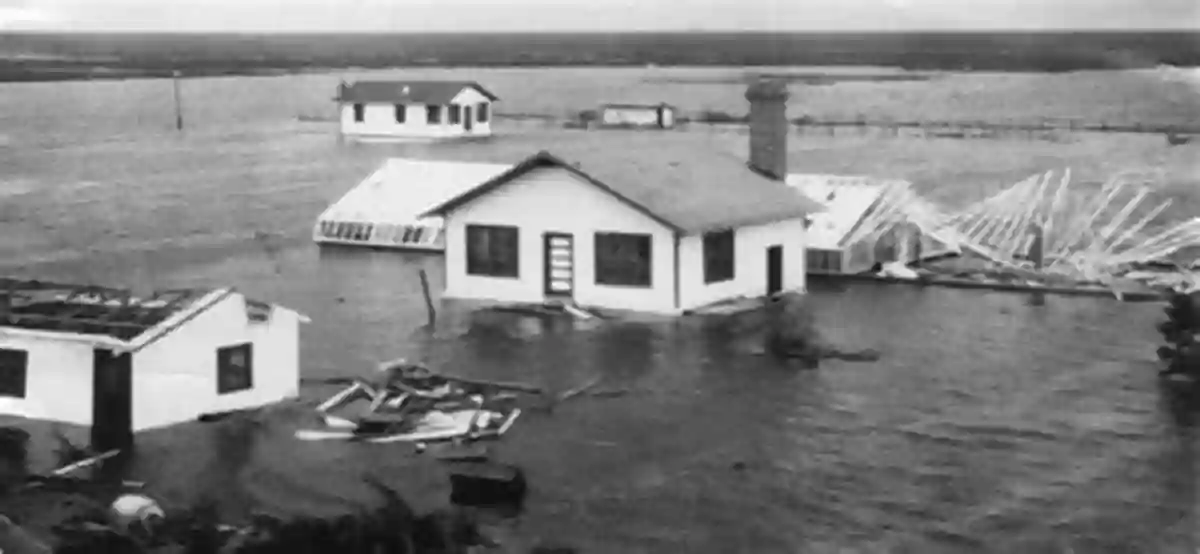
[(990, 425)]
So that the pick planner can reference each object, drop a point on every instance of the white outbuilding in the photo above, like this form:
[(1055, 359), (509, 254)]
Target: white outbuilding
[(105, 359)]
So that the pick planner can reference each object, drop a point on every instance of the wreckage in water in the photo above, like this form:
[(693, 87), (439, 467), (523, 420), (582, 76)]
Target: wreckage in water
[(413, 404)]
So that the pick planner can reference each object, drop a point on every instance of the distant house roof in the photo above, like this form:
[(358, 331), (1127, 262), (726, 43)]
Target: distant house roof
[(846, 200), (683, 188), (97, 311), (408, 92), (636, 106)]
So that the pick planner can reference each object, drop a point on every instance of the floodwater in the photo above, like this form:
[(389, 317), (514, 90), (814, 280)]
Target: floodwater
[(992, 423)]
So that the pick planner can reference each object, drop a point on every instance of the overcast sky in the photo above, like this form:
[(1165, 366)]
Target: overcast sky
[(593, 15)]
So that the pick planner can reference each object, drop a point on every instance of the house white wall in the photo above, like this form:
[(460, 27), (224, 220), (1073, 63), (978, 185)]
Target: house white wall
[(553, 200), (750, 259), (175, 378), (379, 120), (58, 385)]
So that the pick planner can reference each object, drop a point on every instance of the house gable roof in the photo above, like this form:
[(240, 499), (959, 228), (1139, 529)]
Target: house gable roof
[(407, 92), (673, 183)]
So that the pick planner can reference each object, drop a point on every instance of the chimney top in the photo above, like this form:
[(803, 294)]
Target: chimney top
[(767, 89)]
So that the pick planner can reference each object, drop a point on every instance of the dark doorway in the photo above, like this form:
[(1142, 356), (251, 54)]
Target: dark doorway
[(112, 400), (468, 118), (774, 269)]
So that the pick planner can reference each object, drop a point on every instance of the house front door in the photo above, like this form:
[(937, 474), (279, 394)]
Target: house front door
[(774, 269), (468, 118), (559, 263), (112, 400)]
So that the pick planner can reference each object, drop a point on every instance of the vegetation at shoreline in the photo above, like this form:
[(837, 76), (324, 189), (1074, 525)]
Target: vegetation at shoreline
[(63, 56)]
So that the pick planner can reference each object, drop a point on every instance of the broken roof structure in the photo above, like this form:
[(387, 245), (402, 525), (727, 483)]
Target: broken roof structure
[(113, 317), (385, 209), (407, 92)]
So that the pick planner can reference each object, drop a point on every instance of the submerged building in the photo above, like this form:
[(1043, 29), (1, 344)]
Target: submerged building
[(667, 229), (384, 210), (105, 359)]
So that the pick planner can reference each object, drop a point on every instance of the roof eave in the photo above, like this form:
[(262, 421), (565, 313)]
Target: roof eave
[(94, 340)]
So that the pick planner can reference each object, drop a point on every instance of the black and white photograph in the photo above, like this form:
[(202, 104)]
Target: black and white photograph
[(599, 277)]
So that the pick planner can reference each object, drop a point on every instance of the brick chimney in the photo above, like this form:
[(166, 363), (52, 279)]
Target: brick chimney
[(768, 127)]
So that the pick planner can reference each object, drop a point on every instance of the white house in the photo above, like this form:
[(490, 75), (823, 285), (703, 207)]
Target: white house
[(100, 358), (660, 116), (383, 211), (414, 110), (667, 227)]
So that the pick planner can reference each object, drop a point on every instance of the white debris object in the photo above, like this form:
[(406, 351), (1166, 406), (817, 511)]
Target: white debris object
[(897, 270), (135, 508)]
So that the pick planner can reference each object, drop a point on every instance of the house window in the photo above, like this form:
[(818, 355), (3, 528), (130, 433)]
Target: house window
[(623, 259), (360, 112), (433, 114), (718, 256), (455, 114), (492, 251), (482, 111), (235, 368), (401, 113), (14, 369)]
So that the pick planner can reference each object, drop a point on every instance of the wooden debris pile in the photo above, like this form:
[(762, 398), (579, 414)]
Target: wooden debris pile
[(1047, 226), (410, 403), (1086, 235)]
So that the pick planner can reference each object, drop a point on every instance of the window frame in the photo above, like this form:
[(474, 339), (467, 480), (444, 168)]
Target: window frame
[(224, 355), (483, 112), (401, 114), (10, 359), (454, 115), (433, 114), (360, 112), (490, 266), (720, 256), (610, 273)]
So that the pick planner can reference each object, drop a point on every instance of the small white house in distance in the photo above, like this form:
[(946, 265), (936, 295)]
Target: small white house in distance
[(863, 224), (661, 116), (100, 358), (664, 230), (383, 211), (414, 110)]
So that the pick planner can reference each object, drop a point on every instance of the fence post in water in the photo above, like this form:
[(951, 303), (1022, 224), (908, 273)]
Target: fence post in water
[(178, 100), (428, 299), (1036, 249)]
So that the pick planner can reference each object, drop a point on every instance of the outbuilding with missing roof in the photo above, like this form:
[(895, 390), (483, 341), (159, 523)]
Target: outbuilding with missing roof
[(384, 111), (104, 359)]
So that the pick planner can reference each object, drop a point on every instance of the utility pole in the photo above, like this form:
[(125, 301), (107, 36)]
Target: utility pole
[(178, 100)]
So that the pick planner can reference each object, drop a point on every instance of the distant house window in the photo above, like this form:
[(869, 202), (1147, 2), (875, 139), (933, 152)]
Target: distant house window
[(493, 251), (718, 256), (433, 114), (623, 259), (235, 368), (14, 371), (401, 113), (359, 113), (455, 113), (482, 110)]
